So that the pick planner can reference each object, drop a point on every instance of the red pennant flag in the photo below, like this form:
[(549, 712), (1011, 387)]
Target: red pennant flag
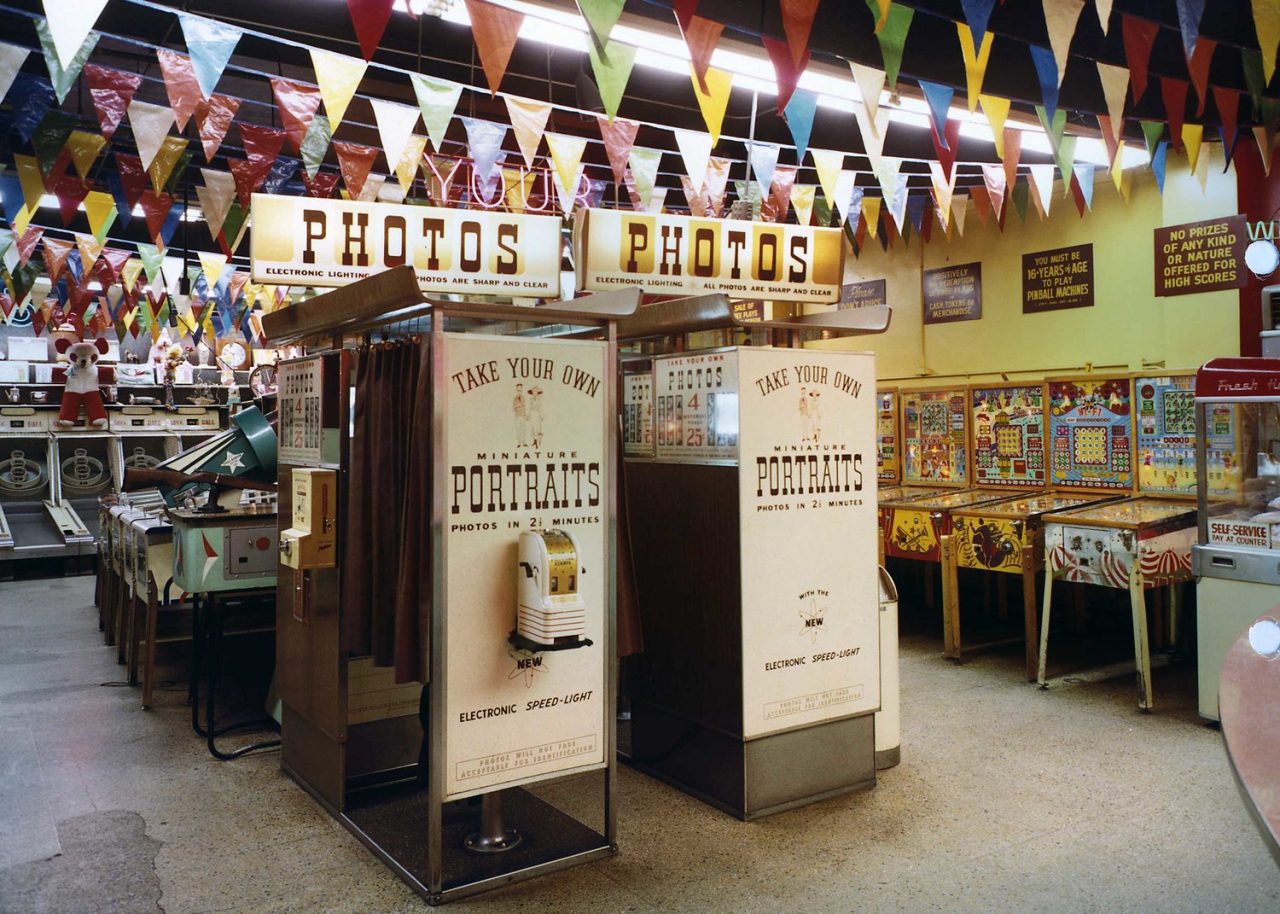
[(354, 161), (181, 84), (1174, 92), (27, 243), (797, 22), (1077, 194), (981, 202), (1228, 104), (786, 72), (6, 305), (261, 145), (619, 136), (80, 296), (701, 37), (1012, 156), (70, 191), (946, 155), (155, 207), (321, 185), (110, 264), (213, 119), (298, 105), (235, 285), (1108, 137), (370, 19), (1139, 38), (248, 179), (133, 177), (55, 258), (39, 319), (494, 30), (684, 10), (99, 323), (111, 90), (860, 236), (1198, 67)]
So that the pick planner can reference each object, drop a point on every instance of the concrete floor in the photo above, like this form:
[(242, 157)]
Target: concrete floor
[(1007, 799)]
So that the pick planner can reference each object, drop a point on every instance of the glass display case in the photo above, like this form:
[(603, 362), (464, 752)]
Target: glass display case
[(1237, 556), (888, 466)]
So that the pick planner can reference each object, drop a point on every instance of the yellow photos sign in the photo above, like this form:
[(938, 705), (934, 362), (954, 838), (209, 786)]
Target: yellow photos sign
[(307, 241), (684, 255)]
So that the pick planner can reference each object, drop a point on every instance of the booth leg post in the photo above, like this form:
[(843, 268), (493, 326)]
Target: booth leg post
[(494, 837), (1044, 622)]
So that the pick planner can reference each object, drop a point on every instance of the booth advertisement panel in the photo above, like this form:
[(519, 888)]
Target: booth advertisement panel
[(525, 431)]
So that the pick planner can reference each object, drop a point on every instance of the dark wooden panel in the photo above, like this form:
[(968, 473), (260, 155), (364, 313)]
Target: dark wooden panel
[(684, 523)]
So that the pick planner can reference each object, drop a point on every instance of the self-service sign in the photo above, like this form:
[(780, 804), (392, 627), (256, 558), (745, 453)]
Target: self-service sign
[(308, 241), (684, 255), (1239, 533)]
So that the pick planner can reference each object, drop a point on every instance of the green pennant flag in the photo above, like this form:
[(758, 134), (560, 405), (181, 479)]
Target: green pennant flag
[(6, 239), (315, 144), (63, 79), (51, 136), (152, 261), (893, 37), (193, 274), (437, 100), (1021, 196), (1251, 61), (644, 170), (1066, 158), (1152, 130), (750, 192), (236, 215), (1054, 129), (601, 16), (179, 171), (851, 233), (822, 209), (612, 69)]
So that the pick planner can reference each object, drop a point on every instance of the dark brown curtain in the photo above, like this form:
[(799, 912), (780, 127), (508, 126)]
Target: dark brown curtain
[(386, 582), (630, 636)]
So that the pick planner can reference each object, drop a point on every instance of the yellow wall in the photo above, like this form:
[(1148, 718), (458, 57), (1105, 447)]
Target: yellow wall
[(1127, 326)]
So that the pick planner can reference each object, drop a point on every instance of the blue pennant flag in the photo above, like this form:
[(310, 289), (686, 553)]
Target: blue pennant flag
[(1047, 73), (11, 198), (939, 98), (280, 174), (915, 210), (977, 13), (171, 223), (1158, 163), (1189, 15), (799, 113), (116, 186), (32, 96)]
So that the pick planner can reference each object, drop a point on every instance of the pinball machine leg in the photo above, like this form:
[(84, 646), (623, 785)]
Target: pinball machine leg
[(135, 637), (1141, 645), (1044, 623), (149, 659), (1029, 618), (1175, 614), (950, 601)]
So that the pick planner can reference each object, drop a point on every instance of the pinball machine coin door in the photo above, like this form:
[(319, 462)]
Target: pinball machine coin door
[(311, 539)]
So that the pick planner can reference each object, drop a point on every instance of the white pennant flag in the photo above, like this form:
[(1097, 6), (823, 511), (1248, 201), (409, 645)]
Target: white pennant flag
[(70, 22), (1115, 86), (566, 156), (150, 125), (215, 197), (1042, 181), (870, 86), (845, 183), (11, 59), (395, 127), (943, 190), (873, 134), (695, 150), (764, 159), (566, 193), (959, 207)]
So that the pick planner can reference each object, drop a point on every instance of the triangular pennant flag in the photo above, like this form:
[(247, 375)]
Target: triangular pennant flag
[(529, 120), (298, 104), (715, 100), (161, 214), (112, 265), (716, 183), (996, 110), (697, 202), (1158, 160), (566, 190), (85, 148), (976, 60), (764, 159), (946, 147), (262, 145), (828, 163), (1053, 127), (799, 116), (959, 207), (395, 125), (695, 151), (281, 173), (150, 125), (797, 23), (1189, 15), (129, 274), (1227, 101), (566, 156), (849, 197), (1198, 67), (1115, 85), (407, 167), (180, 84), (315, 144), (210, 44), (213, 120), (873, 133), (162, 166), (981, 198), (484, 140), (1061, 18), (1152, 131), (338, 77), (437, 100), (977, 13), (993, 177), (1047, 73), (1174, 93), (100, 210), (50, 138), (27, 243), (1109, 138), (1021, 196), (887, 176), (133, 180), (215, 198), (30, 180), (802, 200), (601, 16), (938, 96), (786, 72), (372, 188), (871, 214), (90, 249), (31, 97), (212, 266), (56, 253), (1139, 38), (915, 207), (355, 160), (943, 189), (322, 185), (1192, 134), (111, 91), (892, 36), (1083, 175), (70, 191), (644, 169), (870, 83), (612, 69), (1042, 180), (494, 29), (69, 23), (369, 18), (152, 260), (1266, 22), (62, 74), (1266, 148), (701, 36)]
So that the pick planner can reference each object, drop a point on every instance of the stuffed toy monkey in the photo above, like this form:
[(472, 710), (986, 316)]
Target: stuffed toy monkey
[(81, 380)]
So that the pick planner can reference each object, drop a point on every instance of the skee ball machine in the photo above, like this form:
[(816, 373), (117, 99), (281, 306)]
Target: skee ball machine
[(514, 774), (753, 530)]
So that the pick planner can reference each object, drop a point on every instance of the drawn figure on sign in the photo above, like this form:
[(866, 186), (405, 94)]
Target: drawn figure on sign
[(520, 411), (535, 415), (813, 416), (804, 414)]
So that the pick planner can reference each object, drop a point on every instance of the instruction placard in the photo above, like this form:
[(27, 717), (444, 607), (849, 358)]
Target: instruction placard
[(1201, 256), (1058, 279)]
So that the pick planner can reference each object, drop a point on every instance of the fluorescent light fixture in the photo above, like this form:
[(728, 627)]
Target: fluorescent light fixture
[(190, 214)]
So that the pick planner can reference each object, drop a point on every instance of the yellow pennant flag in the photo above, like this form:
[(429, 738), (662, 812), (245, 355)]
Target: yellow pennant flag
[(1266, 146), (1266, 21), (802, 200), (166, 158), (31, 180), (518, 185), (1192, 134), (212, 266), (715, 100), (529, 121), (84, 147), (129, 317), (186, 320), (828, 163), (129, 275), (871, 214), (90, 249), (975, 61), (410, 159), (338, 77), (99, 207), (996, 110), (959, 207), (942, 190), (566, 155), (24, 219)]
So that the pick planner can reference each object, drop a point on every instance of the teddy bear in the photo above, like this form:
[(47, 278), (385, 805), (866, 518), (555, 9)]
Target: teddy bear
[(81, 379)]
